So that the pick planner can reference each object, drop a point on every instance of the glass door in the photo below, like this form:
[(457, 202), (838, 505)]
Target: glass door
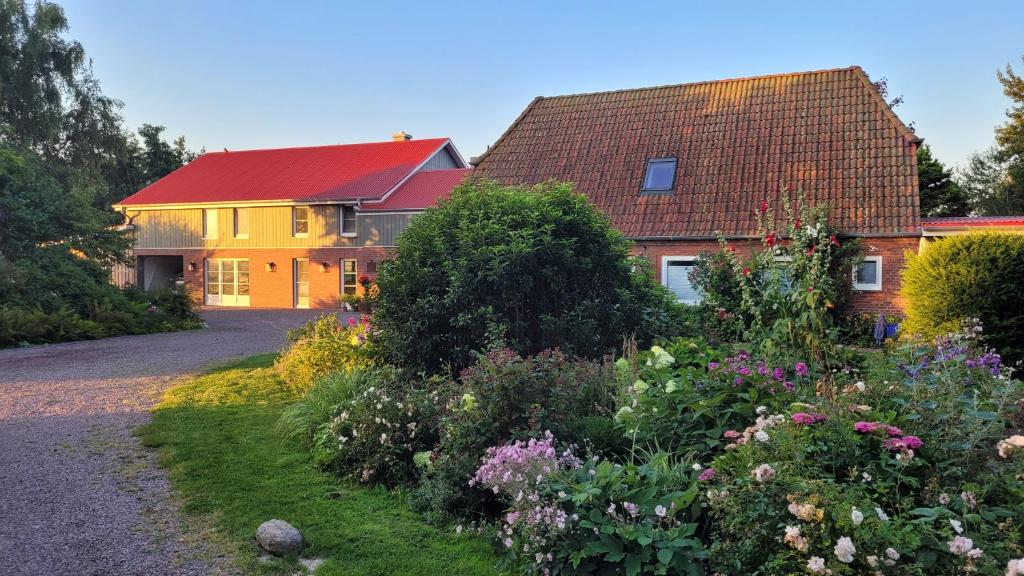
[(227, 282), (300, 267)]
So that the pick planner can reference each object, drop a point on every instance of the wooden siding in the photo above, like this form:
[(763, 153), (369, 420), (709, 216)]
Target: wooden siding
[(442, 160), (269, 227)]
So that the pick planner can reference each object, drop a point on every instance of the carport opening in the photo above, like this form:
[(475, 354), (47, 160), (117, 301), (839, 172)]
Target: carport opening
[(156, 272)]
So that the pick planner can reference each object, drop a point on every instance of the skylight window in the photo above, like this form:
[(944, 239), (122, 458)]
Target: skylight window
[(660, 175)]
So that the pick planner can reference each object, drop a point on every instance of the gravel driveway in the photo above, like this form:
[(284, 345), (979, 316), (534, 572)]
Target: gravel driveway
[(78, 495)]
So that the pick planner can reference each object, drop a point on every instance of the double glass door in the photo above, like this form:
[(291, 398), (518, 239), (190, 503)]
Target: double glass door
[(227, 282)]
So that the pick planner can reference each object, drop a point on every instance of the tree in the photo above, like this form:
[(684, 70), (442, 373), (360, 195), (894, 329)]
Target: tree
[(528, 268), (158, 158), (994, 179), (940, 194)]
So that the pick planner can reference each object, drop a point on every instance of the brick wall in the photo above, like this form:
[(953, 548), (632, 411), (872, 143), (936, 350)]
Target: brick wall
[(275, 289), (886, 301)]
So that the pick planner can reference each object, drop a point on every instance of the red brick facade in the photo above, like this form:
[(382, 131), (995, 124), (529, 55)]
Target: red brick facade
[(891, 250), (275, 289)]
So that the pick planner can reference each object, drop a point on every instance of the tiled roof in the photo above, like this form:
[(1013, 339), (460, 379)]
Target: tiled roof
[(423, 190), (327, 173), (828, 133), (972, 221)]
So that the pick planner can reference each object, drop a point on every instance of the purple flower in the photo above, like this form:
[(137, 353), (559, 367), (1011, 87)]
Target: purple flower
[(893, 431), (788, 386), (801, 369), (706, 475), (778, 374), (713, 365), (631, 508)]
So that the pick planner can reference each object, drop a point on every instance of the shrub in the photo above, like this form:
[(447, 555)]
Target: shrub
[(320, 347), (375, 435), (897, 476), (502, 398), (596, 517), (524, 268), (973, 276)]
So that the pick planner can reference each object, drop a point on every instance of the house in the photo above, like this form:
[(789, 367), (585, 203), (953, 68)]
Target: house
[(290, 227), (675, 166)]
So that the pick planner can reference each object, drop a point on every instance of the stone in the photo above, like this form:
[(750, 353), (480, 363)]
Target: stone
[(279, 538)]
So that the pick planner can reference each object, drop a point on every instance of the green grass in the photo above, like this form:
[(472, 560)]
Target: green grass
[(217, 437)]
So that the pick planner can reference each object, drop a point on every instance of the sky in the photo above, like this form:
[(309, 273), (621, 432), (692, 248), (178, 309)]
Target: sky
[(267, 74)]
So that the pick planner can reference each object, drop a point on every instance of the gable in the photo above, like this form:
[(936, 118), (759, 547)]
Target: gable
[(738, 142)]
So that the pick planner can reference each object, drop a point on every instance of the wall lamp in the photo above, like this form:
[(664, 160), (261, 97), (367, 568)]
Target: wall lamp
[(325, 267), (191, 266), (271, 267)]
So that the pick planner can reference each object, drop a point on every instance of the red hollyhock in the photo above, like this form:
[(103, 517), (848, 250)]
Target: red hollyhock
[(746, 271), (764, 206), (364, 279), (770, 240), (797, 222), (811, 250), (834, 241)]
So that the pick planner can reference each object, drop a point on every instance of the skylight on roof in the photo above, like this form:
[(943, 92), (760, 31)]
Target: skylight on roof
[(660, 175)]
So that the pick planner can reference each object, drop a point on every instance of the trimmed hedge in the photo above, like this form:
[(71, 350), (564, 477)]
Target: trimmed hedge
[(972, 276)]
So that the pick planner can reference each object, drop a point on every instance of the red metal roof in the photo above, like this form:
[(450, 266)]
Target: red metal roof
[(972, 221), (738, 142), (341, 172), (423, 190)]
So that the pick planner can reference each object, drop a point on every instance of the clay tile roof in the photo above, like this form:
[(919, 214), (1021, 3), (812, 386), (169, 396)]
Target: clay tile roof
[(972, 221), (317, 173), (828, 133), (423, 190)]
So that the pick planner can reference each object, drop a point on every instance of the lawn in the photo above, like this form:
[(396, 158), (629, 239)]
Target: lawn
[(216, 434)]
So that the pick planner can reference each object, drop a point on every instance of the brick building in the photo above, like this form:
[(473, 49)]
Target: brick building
[(292, 227), (675, 166)]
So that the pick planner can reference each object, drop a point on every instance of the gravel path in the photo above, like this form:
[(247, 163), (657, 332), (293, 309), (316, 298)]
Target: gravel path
[(78, 495)]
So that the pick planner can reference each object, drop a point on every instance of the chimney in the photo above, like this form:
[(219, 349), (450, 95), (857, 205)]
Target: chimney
[(401, 136)]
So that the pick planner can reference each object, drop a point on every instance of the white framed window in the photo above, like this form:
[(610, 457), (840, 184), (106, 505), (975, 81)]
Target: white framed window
[(300, 278), (210, 223), (240, 216), (675, 275), (349, 281), (347, 220), (300, 221), (227, 282), (868, 274), (785, 274)]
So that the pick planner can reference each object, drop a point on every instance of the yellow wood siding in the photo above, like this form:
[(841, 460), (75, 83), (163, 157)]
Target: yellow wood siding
[(269, 227)]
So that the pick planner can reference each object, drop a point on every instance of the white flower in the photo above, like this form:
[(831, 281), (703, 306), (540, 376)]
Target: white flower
[(763, 473), (1015, 567), (640, 386), (957, 526), (860, 386), (458, 529), (762, 410), (697, 466), (866, 476), (881, 514), (383, 438), (660, 511), (943, 498), (844, 550), (762, 436), (671, 386), (872, 561), (975, 553), (892, 554), (816, 565), (857, 517), (960, 545)]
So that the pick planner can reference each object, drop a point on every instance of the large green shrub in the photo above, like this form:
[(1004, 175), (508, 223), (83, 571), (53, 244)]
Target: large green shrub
[(524, 268), (963, 277)]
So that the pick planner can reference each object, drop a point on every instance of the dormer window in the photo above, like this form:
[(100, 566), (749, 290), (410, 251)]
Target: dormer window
[(660, 176)]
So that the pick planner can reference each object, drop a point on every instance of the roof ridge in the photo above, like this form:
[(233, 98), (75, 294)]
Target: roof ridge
[(703, 82), (227, 151)]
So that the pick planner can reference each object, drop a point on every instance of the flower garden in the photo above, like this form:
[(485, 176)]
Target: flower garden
[(612, 439)]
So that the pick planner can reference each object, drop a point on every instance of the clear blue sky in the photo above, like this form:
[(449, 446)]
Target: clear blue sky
[(259, 74)]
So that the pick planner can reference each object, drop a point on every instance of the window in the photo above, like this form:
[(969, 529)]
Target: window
[(349, 282), (348, 220), (868, 274), (210, 223), (241, 218), (675, 275), (660, 175), (300, 276), (300, 221), (785, 274), (227, 282)]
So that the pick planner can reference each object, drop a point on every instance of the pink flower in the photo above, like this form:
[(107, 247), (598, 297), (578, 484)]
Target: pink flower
[(763, 473), (801, 369), (731, 434), (960, 545), (351, 321), (706, 475), (806, 419), (867, 427), (893, 431)]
